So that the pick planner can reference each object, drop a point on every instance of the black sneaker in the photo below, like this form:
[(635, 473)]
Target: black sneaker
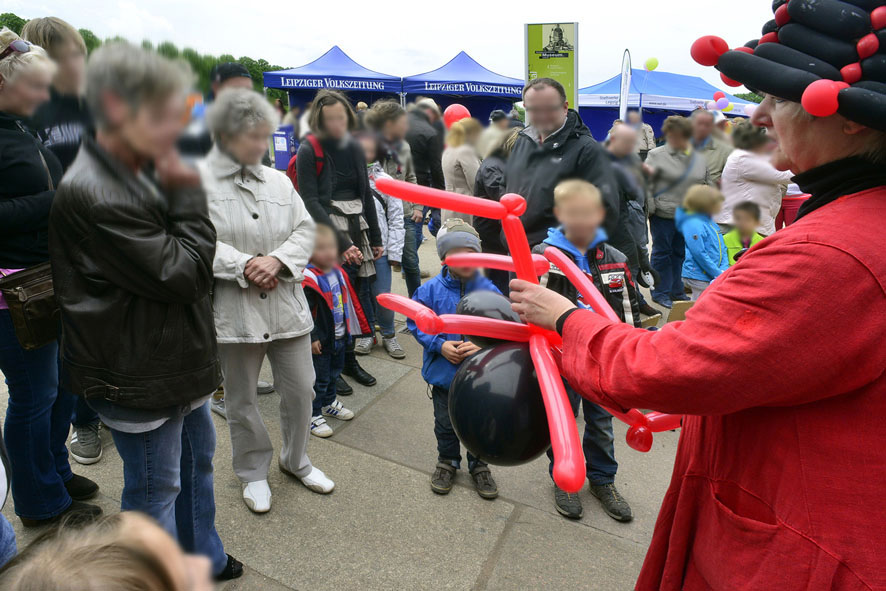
[(233, 570), (76, 515), (647, 310), (353, 370), (81, 488), (568, 505), (441, 480), (613, 503), (484, 483), (342, 388)]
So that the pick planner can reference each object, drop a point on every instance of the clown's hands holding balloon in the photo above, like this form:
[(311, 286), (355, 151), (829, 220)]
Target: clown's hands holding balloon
[(538, 305)]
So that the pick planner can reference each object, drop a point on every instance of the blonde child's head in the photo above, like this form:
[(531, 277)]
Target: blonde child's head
[(703, 199), (325, 255), (578, 207)]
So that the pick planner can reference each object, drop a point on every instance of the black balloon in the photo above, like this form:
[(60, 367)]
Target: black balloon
[(487, 304), (496, 406)]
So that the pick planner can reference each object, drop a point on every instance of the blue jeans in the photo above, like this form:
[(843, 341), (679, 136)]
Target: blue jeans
[(167, 474), (382, 284), (448, 445), (8, 547), (668, 251), (411, 268), (38, 419), (598, 441), (327, 369)]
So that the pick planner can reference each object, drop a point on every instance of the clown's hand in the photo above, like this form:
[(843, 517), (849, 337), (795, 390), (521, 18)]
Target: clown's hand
[(538, 305)]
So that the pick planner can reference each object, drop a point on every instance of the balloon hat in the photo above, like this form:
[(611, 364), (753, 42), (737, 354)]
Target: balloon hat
[(828, 55), (544, 346)]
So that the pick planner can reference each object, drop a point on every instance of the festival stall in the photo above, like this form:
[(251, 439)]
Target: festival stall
[(463, 80), (334, 69), (660, 94)]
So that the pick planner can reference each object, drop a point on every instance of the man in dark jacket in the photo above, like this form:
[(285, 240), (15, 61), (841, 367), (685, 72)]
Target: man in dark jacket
[(132, 248), (556, 146)]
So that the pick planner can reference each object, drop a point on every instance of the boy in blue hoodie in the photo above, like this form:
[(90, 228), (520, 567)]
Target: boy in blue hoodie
[(579, 208), (443, 353), (706, 253)]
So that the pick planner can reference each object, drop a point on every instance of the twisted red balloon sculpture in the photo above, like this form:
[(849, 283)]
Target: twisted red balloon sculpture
[(569, 465)]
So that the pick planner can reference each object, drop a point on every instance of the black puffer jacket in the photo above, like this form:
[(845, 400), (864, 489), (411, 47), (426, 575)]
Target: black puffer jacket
[(534, 170), (132, 268), (27, 187), (427, 150)]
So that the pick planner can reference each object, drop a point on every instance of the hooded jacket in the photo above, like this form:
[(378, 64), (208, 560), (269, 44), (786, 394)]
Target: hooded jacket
[(604, 265), (734, 244), (442, 294), (706, 253), (389, 211), (534, 169)]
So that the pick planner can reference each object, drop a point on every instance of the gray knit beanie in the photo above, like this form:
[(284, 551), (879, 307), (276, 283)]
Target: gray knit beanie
[(456, 233)]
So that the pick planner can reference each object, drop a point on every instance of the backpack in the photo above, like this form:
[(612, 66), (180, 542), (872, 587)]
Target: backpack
[(319, 158)]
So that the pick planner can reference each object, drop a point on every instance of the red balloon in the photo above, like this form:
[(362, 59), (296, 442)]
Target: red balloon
[(744, 49), (719, 94), (851, 73), (769, 38), (659, 422), (728, 81), (820, 98), (639, 437), (455, 112), (867, 46), (708, 49), (501, 262), (442, 199), (878, 18), (590, 294), (781, 15)]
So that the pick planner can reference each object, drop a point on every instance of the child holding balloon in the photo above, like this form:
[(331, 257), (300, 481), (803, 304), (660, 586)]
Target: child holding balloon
[(443, 353)]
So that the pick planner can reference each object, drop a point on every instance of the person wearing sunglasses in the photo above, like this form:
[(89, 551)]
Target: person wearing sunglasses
[(39, 413)]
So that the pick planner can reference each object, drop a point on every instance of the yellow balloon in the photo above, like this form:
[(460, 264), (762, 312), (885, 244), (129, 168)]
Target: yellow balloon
[(651, 63), (728, 108)]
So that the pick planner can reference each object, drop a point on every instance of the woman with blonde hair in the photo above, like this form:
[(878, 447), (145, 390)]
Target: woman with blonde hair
[(461, 161)]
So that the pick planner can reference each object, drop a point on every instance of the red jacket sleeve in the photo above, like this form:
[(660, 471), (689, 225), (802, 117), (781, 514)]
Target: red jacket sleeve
[(790, 324)]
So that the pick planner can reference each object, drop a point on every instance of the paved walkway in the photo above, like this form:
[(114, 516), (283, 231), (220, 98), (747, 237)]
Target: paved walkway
[(384, 529)]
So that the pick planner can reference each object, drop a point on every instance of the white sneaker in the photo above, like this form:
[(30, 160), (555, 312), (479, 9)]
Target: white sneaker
[(392, 346), (318, 482), (337, 410), (320, 427), (257, 496), (363, 345)]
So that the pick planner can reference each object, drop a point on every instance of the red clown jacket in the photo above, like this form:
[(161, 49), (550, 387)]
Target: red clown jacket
[(780, 475)]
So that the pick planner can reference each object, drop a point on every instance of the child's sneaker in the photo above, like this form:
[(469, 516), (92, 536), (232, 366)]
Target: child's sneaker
[(320, 427), (484, 483), (441, 479), (392, 346), (338, 411)]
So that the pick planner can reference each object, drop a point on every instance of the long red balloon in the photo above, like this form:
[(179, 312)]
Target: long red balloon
[(502, 262), (590, 294), (444, 200)]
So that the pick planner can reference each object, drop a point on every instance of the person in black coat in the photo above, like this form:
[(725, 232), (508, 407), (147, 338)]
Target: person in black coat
[(39, 414)]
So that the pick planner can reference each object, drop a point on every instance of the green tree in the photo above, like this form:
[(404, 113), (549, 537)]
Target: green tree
[(750, 96), (13, 22), (168, 49), (90, 39)]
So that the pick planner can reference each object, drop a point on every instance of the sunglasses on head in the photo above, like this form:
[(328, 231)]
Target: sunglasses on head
[(17, 46)]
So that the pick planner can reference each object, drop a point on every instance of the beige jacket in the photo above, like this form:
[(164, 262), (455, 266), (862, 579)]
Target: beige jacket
[(715, 153), (645, 138), (460, 166), (256, 211)]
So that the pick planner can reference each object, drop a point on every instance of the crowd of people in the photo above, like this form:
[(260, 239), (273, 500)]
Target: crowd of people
[(206, 261)]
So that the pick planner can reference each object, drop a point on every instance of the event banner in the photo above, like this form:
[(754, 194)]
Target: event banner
[(552, 52)]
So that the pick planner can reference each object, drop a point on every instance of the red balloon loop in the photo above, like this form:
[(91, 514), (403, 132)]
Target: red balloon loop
[(867, 46), (781, 15), (455, 112), (501, 262), (852, 72), (771, 37), (514, 203), (659, 422), (728, 81), (719, 94), (639, 438), (708, 49), (820, 98), (878, 18)]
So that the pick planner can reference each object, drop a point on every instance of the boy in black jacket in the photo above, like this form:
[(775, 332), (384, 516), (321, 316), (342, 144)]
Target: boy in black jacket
[(579, 208)]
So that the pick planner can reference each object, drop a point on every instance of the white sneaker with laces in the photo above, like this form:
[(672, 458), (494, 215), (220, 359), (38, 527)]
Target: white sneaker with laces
[(257, 496), (318, 482), (337, 410), (363, 345), (392, 346), (320, 427)]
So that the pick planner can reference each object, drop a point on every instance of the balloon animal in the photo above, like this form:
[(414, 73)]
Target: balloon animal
[(544, 346)]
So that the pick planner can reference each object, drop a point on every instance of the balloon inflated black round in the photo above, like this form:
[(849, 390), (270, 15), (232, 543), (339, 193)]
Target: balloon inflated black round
[(486, 304), (496, 407)]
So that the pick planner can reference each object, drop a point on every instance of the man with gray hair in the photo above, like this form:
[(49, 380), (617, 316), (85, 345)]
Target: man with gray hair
[(132, 247)]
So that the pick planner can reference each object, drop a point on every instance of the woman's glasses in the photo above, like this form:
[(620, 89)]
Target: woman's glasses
[(17, 46)]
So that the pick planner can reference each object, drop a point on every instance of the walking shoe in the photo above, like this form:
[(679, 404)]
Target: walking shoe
[(392, 346), (320, 427), (353, 370), (441, 479), (317, 481), (217, 405), (81, 488), (613, 503), (338, 411), (484, 483), (680, 297), (78, 513), (264, 388), (257, 496), (568, 505), (663, 301), (233, 570), (363, 345), (342, 388), (86, 444), (647, 310)]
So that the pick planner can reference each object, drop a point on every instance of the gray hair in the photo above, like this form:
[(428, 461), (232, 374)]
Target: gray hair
[(134, 74), (238, 110), (699, 112)]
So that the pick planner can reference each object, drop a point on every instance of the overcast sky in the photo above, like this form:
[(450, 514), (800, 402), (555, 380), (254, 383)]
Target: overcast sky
[(401, 38)]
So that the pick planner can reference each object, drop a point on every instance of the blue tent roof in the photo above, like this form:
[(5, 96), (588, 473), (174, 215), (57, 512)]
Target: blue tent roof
[(659, 90), (333, 69), (462, 75)]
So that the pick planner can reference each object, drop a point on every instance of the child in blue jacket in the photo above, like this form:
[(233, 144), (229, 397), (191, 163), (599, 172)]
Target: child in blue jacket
[(706, 253), (443, 353)]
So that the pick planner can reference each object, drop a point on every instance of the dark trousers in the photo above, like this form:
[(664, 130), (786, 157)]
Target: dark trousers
[(83, 414), (327, 368), (597, 443), (411, 269), (668, 251), (448, 445)]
